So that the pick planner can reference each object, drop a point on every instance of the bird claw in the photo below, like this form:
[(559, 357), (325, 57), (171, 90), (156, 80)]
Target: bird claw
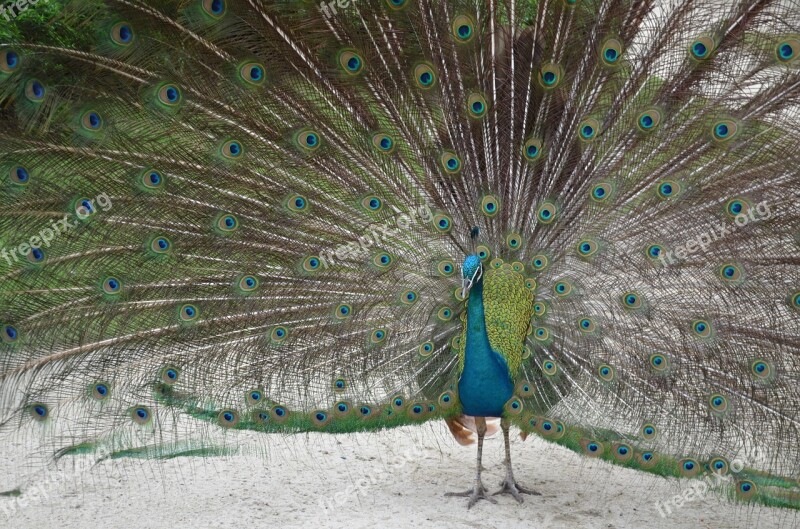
[(476, 493), (509, 486)]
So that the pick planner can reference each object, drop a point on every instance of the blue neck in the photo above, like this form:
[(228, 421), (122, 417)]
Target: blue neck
[(476, 318), (485, 384)]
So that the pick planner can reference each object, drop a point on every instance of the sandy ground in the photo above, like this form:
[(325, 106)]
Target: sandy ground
[(389, 479)]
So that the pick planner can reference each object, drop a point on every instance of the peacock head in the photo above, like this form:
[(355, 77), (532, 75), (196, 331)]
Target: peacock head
[(471, 273)]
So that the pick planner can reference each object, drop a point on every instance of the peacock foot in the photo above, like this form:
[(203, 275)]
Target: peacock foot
[(509, 486), (478, 492)]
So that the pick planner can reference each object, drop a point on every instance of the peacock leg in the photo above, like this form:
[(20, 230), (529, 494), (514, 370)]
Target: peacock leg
[(478, 492), (510, 485)]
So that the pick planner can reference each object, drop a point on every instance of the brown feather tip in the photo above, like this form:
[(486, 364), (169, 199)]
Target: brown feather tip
[(463, 428)]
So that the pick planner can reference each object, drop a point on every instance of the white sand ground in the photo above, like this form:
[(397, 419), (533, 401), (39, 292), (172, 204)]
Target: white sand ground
[(393, 479)]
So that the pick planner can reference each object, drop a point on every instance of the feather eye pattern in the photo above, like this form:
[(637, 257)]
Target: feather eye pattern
[(281, 200)]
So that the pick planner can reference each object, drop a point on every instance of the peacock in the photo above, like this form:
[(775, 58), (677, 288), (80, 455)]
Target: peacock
[(581, 217)]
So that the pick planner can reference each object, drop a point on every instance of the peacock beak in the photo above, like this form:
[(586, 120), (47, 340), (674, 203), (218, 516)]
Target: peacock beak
[(466, 282)]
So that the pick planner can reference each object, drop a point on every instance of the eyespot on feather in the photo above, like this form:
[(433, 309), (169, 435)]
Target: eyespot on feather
[(253, 73), (463, 29), (122, 34), (35, 91), (351, 62), (477, 106), (611, 51), (550, 76), (216, 9), (424, 76), (232, 150), (10, 61)]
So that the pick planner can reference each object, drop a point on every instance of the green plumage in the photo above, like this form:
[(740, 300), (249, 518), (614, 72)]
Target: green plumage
[(252, 215)]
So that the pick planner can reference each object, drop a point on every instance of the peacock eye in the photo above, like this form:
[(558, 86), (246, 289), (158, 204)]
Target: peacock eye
[(9, 334), (649, 120), (189, 312), (248, 283), (588, 129), (378, 336), (476, 106), (669, 189), (160, 245), (35, 91), (724, 130), (424, 76), (39, 411), (9, 61), (409, 297), (351, 62), (92, 121), (122, 34), (140, 415), (308, 140), (451, 163), (611, 51), (232, 149), (152, 179), (489, 205), (228, 418), (279, 334), (788, 50), (550, 76), (372, 204), (547, 213), (532, 149), (730, 273), (463, 28), (514, 241), (19, 175), (587, 247), (215, 9), (702, 48), (443, 223), (253, 73), (227, 223), (112, 285), (298, 204), (632, 300), (36, 256), (384, 143), (562, 289), (170, 95)]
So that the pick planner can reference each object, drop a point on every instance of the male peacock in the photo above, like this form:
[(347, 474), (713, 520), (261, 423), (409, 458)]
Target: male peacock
[(578, 215)]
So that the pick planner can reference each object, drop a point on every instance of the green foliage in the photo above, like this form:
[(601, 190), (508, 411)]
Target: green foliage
[(48, 22)]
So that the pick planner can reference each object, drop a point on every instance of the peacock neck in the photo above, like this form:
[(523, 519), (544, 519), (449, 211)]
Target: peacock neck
[(485, 384), (476, 319)]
